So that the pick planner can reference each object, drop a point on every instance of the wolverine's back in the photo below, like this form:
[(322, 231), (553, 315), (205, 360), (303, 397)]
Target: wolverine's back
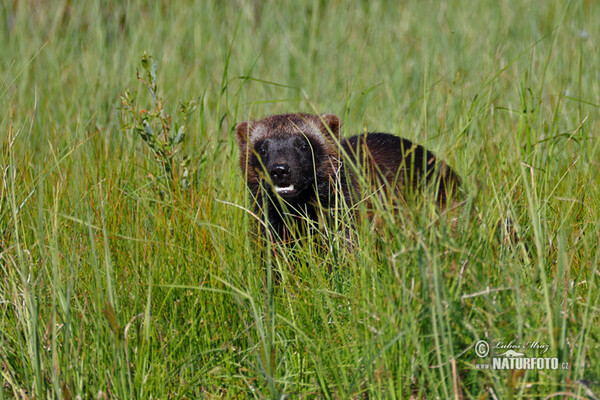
[(395, 161)]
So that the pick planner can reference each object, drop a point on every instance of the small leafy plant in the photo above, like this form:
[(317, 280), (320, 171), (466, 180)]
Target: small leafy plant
[(163, 135)]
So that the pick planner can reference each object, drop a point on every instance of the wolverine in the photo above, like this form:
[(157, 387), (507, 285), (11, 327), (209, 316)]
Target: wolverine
[(297, 167)]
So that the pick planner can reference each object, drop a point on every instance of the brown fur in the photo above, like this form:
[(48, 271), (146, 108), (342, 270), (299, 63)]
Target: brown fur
[(300, 159)]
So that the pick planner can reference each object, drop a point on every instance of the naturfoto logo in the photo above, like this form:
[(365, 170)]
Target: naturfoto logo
[(512, 355)]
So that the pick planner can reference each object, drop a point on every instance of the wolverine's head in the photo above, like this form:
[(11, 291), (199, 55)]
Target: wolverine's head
[(287, 151)]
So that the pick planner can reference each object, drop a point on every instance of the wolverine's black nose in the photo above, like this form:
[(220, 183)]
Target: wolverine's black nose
[(279, 171)]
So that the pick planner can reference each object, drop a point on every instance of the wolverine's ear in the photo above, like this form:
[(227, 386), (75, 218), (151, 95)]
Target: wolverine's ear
[(333, 122), (242, 131)]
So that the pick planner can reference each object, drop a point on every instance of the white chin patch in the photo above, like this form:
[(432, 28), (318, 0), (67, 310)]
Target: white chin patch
[(284, 189)]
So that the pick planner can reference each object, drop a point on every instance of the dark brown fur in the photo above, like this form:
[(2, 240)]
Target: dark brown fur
[(299, 160)]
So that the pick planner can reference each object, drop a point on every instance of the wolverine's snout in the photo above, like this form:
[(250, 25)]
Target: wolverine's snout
[(280, 173), (281, 177)]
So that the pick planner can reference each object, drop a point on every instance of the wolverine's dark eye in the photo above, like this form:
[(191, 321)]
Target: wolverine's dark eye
[(302, 144), (261, 149), (304, 147)]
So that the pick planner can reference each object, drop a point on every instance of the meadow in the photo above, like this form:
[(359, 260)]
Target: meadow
[(127, 269)]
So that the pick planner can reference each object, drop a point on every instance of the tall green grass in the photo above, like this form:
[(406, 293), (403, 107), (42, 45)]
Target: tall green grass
[(109, 289)]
